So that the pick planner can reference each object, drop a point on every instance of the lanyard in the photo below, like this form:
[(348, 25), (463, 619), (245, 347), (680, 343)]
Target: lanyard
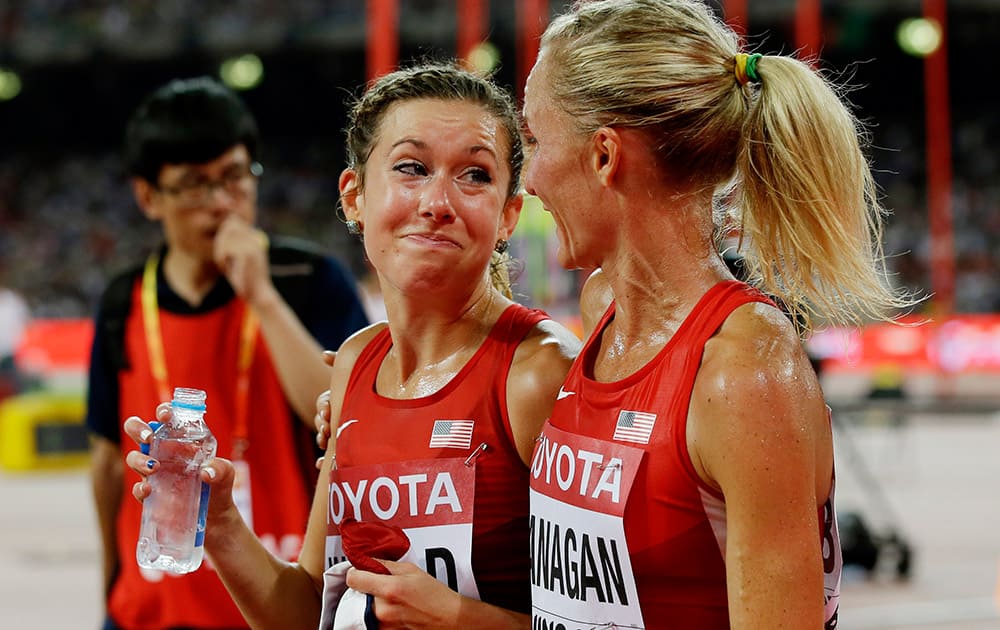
[(158, 363)]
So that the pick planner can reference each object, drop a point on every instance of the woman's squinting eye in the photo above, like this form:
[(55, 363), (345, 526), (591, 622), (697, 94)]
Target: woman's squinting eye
[(410, 168), (478, 175)]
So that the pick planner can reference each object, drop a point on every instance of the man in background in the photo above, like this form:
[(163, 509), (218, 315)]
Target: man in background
[(220, 307)]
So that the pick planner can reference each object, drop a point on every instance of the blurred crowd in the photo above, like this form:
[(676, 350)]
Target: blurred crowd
[(975, 203), (68, 220), (67, 224), (68, 30)]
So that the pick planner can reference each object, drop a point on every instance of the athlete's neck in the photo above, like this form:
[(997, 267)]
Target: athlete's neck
[(430, 347)]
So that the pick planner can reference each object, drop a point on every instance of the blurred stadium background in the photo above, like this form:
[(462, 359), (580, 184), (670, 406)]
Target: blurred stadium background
[(909, 399)]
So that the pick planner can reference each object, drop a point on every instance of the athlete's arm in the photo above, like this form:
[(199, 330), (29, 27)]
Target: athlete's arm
[(270, 592), (313, 555), (293, 591), (758, 433)]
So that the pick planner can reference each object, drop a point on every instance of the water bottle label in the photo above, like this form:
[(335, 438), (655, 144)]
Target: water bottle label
[(199, 537), (153, 426)]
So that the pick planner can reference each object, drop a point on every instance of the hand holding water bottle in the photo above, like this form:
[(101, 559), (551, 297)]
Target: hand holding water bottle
[(176, 482)]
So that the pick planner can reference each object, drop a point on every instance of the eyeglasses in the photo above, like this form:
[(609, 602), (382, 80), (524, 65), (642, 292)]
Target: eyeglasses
[(235, 182)]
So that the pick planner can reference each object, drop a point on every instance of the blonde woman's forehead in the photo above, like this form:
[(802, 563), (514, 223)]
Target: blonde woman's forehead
[(535, 88)]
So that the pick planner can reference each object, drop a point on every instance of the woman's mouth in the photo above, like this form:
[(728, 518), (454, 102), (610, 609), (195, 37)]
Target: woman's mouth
[(431, 239)]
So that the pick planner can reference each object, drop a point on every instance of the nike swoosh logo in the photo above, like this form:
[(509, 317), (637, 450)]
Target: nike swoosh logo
[(341, 428), (564, 394)]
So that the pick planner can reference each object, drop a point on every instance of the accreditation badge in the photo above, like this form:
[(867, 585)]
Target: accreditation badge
[(241, 491), (431, 500), (581, 571)]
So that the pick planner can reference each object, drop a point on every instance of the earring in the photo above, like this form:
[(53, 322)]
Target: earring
[(501, 246), (353, 227)]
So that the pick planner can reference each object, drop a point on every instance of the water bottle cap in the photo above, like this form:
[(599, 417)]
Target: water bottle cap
[(188, 398)]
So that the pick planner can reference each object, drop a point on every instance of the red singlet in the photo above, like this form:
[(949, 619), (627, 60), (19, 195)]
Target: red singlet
[(624, 532), (443, 467)]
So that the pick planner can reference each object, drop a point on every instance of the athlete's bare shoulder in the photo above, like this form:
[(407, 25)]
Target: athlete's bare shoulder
[(539, 368), (349, 351)]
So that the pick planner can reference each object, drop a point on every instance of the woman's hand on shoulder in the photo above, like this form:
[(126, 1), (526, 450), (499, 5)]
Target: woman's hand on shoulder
[(322, 418), (539, 368)]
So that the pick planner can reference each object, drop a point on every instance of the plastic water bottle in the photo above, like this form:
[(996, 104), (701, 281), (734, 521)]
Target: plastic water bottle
[(172, 533)]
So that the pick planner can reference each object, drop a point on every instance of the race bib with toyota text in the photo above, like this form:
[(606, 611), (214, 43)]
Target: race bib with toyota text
[(581, 573), (432, 500)]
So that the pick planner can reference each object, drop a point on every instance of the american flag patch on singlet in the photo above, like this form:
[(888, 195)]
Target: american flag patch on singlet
[(452, 434), (634, 426)]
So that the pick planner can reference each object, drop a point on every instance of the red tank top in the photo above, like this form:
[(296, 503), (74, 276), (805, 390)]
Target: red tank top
[(444, 467), (623, 529), (201, 351)]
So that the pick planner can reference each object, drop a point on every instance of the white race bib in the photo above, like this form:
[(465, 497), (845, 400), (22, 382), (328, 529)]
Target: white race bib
[(431, 500), (581, 572)]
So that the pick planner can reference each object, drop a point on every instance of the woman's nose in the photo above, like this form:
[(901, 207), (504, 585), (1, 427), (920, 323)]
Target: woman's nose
[(436, 201)]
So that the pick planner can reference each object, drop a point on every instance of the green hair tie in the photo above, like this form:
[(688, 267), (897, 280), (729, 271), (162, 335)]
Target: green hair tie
[(752, 67), (745, 68)]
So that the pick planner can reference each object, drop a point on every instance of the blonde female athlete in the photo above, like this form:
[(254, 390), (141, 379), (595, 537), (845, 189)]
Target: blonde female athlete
[(685, 477)]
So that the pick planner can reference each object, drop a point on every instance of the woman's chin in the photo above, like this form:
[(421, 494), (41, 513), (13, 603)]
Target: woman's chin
[(567, 259)]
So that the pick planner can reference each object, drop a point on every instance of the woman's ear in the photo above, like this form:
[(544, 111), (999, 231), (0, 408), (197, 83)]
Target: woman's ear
[(508, 218), (606, 154), (350, 189)]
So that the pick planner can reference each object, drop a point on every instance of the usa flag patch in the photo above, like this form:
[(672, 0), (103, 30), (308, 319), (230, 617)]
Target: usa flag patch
[(452, 434), (634, 426)]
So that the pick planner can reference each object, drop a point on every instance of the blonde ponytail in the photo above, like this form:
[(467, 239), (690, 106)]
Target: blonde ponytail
[(808, 206)]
